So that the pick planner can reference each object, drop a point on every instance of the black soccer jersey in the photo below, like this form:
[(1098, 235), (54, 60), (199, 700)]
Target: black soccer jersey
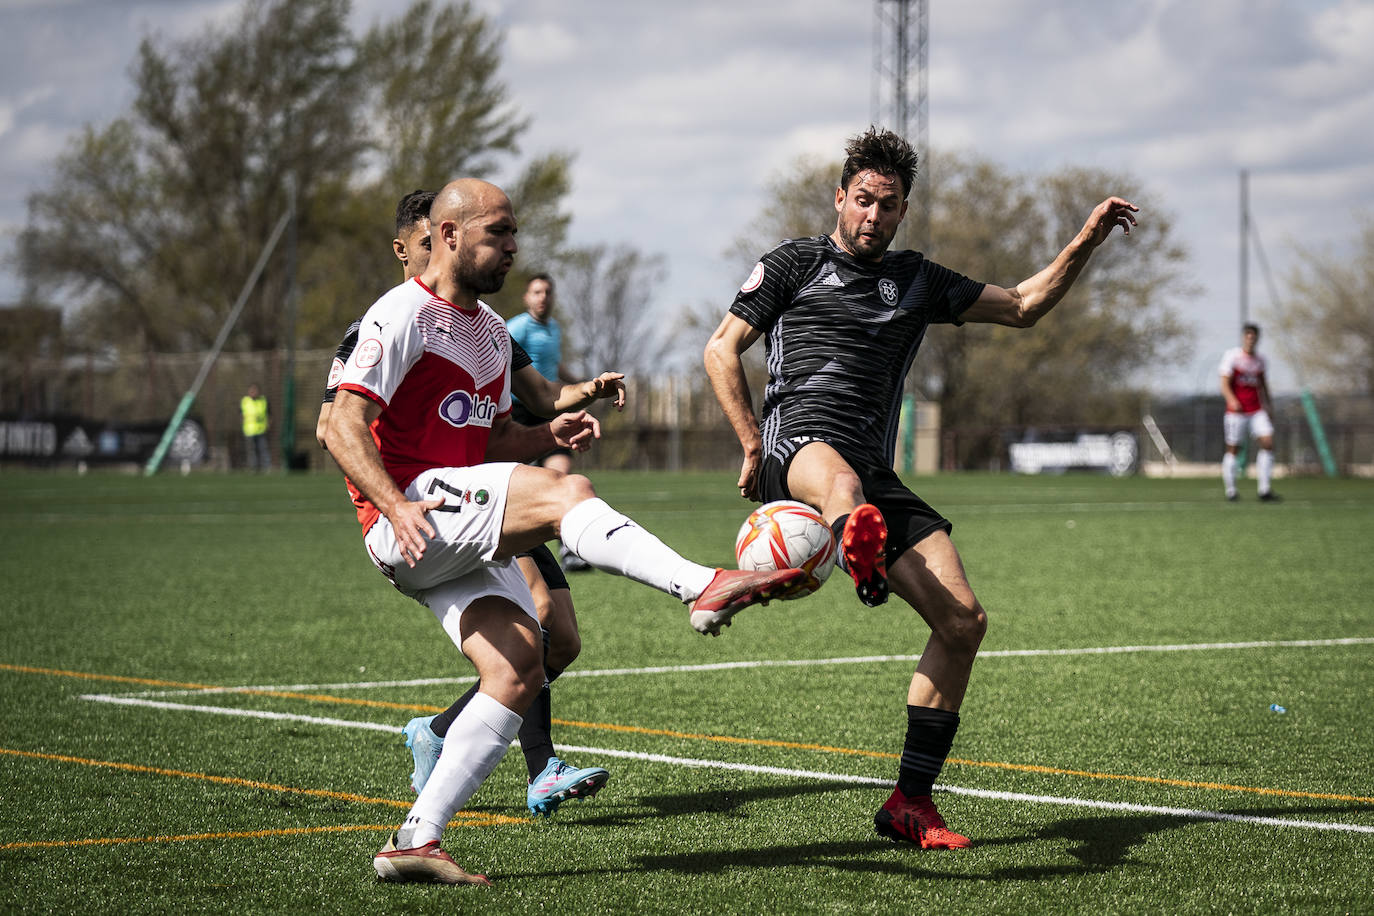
[(840, 335)]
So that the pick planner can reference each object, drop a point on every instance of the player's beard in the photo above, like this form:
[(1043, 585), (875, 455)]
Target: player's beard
[(477, 280), (861, 247)]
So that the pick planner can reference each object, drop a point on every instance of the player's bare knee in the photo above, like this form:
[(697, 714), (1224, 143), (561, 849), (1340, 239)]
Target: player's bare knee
[(845, 487), (563, 650), (574, 488), (964, 627)]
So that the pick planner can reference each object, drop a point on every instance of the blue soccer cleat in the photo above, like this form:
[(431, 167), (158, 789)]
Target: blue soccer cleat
[(425, 747), (560, 782)]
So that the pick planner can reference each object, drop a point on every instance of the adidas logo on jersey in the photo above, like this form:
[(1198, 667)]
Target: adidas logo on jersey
[(459, 409), (832, 279)]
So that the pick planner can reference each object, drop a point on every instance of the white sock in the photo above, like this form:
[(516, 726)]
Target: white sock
[(612, 543), (1264, 468), (1228, 473), (474, 745)]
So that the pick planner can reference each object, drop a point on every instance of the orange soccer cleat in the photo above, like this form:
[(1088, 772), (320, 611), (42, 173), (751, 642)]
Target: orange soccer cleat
[(864, 543), (915, 820)]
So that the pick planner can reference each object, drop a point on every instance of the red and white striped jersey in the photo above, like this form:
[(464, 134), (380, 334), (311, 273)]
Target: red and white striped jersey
[(1246, 372), (441, 375)]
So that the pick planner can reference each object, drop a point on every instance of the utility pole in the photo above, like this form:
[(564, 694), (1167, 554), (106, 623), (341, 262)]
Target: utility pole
[(1244, 247)]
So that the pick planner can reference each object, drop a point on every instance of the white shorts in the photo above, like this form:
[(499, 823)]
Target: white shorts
[(1240, 425), (457, 567)]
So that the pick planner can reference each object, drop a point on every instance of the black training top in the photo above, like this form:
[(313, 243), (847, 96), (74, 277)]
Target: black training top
[(840, 334)]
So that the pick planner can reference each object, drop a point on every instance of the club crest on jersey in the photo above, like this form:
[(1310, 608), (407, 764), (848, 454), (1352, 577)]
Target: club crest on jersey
[(368, 354), (755, 279), (888, 290), (460, 409), (336, 369)]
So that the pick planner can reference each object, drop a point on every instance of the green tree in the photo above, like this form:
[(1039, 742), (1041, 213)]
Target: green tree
[(1325, 324), (1078, 365), (161, 214)]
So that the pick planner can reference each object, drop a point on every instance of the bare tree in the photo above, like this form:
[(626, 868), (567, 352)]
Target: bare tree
[(1326, 324), (606, 297)]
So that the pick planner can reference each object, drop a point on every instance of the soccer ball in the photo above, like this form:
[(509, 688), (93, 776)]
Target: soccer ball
[(787, 535)]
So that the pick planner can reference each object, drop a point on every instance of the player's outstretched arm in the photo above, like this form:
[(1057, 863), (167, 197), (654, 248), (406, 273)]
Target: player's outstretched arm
[(606, 386), (546, 399), (1027, 302), (349, 440), (725, 369), (510, 441)]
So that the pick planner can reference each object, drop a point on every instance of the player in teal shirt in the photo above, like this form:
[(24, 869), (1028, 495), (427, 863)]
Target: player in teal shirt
[(539, 333)]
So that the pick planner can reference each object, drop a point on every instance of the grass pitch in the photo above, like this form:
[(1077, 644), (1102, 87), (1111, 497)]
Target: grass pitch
[(1118, 752)]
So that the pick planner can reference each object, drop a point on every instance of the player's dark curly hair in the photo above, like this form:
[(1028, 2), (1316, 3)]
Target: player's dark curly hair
[(413, 208), (881, 151)]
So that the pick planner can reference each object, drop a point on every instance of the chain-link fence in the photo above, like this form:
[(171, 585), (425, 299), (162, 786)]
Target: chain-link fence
[(671, 422)]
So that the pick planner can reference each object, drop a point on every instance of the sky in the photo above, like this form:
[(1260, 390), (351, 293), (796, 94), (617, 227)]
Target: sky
[(680, 115)]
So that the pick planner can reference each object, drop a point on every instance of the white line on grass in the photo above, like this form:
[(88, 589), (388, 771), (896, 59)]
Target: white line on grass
[(1192, 813), (787, 663)]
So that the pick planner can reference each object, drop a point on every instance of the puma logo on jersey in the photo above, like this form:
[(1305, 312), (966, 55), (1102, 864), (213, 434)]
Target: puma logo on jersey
[(461, 409)]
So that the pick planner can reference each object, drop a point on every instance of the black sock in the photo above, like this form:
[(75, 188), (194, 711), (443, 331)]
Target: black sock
[(442, 721), (536, 742), (837, 528), (929, 736)]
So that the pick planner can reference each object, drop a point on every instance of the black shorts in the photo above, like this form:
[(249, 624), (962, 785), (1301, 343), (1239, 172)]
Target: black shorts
[(909, 518), (521, 414), (548, 567)]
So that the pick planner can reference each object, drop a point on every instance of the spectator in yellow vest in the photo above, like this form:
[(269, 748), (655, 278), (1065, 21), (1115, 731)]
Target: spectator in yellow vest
[(254, 407)]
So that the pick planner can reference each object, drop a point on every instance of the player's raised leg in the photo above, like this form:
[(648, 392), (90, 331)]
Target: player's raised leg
[(544, 504), (820, 477)]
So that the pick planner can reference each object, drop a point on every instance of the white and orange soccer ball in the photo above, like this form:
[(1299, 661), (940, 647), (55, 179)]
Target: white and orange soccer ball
[(787, 535)]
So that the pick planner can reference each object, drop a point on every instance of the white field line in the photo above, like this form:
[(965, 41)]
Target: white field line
[(781, 663), (1189, 813)]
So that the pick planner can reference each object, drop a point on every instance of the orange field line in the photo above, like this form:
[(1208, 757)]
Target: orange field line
[(183, 837), (464, 816), (757, 742)]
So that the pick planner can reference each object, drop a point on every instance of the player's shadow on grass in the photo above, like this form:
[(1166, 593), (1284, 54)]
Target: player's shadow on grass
[(1100, 844), (1105, 842), (725, 800)]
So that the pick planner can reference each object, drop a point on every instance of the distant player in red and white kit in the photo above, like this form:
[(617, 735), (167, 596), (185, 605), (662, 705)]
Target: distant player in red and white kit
[(1247, 413), (423, 400)]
